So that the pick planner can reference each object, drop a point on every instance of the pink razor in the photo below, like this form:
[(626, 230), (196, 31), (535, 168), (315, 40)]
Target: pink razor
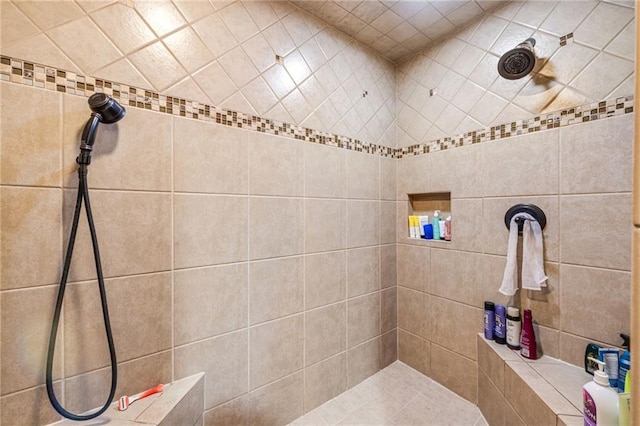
[(125, 401)]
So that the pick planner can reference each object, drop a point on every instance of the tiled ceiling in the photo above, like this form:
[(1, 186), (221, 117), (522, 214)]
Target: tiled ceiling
[(397, 28)]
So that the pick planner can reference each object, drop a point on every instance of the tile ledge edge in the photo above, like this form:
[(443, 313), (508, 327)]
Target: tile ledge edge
[(174, 393), (545, 398)]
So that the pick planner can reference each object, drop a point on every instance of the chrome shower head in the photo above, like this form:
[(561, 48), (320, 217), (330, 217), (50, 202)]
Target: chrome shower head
[(518, 62)]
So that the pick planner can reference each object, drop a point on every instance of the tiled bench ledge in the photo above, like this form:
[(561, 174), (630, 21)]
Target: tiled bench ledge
[(180, 403), (513, 390)]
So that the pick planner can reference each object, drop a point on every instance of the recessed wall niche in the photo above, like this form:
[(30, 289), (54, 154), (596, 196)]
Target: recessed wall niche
[(422, 209)]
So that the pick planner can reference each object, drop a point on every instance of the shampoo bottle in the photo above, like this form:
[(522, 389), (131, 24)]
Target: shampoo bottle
[(500, 331), (528, 348), (489, 319), (600, 401)]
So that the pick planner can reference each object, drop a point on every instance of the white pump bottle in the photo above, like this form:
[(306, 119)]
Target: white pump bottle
[(600, 401)]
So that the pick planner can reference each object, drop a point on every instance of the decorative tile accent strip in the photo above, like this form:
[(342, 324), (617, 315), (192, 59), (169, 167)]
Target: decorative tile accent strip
[(49, 78), (566, 117), (30, 74), (565, 39)]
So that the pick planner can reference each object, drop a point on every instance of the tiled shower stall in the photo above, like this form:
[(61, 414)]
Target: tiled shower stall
[(251, 206)]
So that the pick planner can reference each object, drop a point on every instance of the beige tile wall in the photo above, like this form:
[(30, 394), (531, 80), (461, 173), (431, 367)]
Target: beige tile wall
[(217, 222), (442, 286), (226, 251), (596, 64), (220, 53)]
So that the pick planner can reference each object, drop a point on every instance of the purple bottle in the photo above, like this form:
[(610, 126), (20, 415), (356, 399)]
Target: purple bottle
[(489, 320), (500, 330)]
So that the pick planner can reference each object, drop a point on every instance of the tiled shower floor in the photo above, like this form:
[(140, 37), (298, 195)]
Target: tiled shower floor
[(397, 395)]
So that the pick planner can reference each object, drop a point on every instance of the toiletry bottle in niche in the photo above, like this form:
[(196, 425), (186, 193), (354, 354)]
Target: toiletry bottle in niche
[(528, 348), (423, 221), (442, 227), (600, 402), (514, 327), (447, 229), (436, 225), (500, 330), (489, 319), (428, 231), (416, 226)]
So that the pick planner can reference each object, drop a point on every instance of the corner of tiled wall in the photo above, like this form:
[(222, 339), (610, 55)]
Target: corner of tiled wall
[(561, 174), (453, 87)]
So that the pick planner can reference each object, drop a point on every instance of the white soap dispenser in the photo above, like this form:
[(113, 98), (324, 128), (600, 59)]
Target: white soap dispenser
[(600, 401)]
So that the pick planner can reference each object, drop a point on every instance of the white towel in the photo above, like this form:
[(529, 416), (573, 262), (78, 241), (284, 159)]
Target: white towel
[(533, 276)]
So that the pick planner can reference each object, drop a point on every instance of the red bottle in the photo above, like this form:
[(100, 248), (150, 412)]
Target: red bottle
[(528, 348)]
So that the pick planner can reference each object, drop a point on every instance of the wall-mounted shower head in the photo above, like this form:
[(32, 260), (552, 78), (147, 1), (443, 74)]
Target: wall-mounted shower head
[(105, 110), (519, 61), (109, 109)]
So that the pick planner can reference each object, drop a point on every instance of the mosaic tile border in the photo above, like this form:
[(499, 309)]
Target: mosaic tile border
[(28, 73), (553, 120), (50, 78)]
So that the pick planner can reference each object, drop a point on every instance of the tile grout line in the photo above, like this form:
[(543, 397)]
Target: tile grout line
[(173, 257), (249, 260), (304, 282)]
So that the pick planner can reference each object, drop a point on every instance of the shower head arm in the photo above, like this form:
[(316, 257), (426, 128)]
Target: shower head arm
[(88, 138)]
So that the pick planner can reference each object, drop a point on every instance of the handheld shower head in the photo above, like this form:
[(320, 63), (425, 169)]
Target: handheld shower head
[(105, 110), (109, 109), (518, 62)]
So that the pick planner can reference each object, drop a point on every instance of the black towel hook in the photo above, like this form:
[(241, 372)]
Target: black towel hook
[(535, 211)]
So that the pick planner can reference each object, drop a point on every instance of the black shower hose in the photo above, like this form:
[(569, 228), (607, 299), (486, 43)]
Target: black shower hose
[(83, 193)]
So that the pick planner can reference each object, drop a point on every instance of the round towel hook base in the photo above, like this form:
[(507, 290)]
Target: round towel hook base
[(535, 211)]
